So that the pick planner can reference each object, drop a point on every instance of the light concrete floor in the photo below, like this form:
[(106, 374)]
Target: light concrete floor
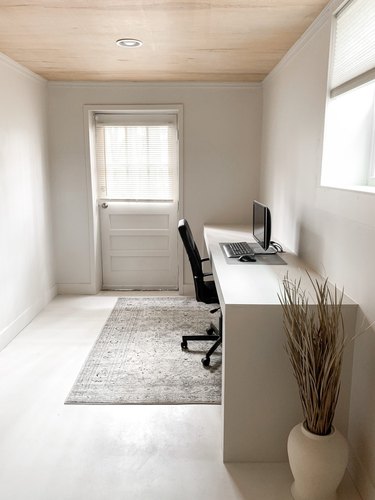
[(49, 451)]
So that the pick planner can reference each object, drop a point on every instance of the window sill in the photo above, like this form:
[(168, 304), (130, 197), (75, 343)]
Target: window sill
[(359, 189)]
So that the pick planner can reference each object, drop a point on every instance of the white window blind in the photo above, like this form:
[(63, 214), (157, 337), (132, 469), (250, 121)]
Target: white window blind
[(354, 46), (136, 156)]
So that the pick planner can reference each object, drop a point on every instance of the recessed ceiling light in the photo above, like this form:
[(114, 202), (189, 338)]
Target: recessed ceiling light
[(129, 42)]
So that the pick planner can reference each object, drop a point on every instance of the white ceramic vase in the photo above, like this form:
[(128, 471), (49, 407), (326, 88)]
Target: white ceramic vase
[(317, 462)]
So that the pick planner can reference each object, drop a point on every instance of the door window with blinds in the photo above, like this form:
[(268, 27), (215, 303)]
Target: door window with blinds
[(349, 143), (136, 157)]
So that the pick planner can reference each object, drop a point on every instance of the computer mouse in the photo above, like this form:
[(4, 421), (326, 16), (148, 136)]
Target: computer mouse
[(247, 258)]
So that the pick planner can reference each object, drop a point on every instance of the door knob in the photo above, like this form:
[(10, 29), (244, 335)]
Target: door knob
[(104, 205)]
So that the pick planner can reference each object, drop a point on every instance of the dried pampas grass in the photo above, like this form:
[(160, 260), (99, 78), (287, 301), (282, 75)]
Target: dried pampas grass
[(315, 343)]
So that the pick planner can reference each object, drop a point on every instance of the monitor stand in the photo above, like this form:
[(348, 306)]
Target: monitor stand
[(258, 250)]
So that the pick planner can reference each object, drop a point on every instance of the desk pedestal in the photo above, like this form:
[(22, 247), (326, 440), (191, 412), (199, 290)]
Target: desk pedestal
[(260, 397)]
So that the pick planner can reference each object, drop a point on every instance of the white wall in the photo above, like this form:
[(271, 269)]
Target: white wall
[(26, 269), (221, 160), (333, 230)]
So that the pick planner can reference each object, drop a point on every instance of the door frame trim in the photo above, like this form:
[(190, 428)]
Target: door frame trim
[(89, 110)]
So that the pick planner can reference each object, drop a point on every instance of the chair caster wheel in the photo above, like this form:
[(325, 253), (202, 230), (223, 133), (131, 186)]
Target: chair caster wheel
[(184, 345), (206, 361), (210, 331)]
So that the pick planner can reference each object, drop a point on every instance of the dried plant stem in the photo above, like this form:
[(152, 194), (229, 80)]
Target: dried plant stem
[(315, 343)]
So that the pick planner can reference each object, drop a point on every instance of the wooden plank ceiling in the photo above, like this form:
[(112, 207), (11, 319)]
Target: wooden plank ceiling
[(183, 40)]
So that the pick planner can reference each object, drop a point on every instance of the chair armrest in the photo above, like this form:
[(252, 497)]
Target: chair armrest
[(204, 275), (205, 260)]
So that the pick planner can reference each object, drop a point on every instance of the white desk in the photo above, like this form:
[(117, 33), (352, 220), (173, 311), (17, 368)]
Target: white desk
[(260, 397)]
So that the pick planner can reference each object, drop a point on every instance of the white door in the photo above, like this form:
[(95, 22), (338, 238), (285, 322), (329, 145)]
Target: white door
[(137, 184), (139, 245)]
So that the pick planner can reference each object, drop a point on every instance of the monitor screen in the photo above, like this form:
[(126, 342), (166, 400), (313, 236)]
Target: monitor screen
[(261, 224)]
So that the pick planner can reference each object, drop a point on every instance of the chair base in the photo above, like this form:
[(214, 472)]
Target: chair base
[(213, 333)]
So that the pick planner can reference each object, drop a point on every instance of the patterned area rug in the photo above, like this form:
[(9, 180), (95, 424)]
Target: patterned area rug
[(137, 358)]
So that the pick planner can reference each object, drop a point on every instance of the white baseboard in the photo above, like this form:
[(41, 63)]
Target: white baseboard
[(188, 290), (18, 324), (360, 478), (77, 289), (92, 289)]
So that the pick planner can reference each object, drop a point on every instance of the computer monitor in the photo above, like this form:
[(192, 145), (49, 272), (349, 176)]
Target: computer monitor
[(261, 224)]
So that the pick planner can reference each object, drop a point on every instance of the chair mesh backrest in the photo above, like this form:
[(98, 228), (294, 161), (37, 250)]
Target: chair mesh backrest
[(191, 248)]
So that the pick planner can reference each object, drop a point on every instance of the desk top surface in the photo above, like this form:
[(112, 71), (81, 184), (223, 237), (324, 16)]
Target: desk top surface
[(247, 284)]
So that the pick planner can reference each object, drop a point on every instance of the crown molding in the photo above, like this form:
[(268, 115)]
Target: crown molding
[(324, 17), (80, 84), (10, 63)]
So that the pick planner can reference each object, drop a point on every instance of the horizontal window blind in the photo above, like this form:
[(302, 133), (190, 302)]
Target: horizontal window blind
[(354, 46), (136, 157)]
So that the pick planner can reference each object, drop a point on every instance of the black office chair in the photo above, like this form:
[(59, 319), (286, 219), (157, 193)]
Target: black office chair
[(205, 291)]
